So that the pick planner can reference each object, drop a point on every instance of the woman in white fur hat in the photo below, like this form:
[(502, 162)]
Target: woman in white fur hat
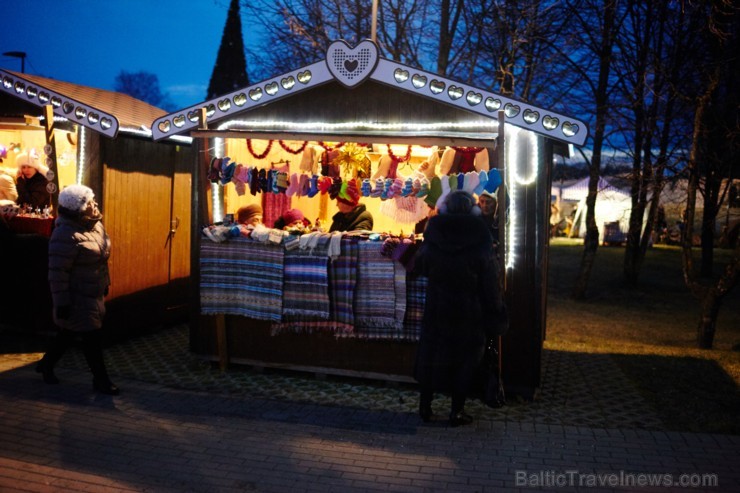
[(31, 182), (79, 249)]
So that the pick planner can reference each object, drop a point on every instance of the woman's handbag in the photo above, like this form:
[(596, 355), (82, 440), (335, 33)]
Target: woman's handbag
[(488, 384)]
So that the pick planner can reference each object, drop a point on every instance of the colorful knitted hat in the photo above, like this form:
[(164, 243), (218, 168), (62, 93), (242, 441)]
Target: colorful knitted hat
[(351, 195)]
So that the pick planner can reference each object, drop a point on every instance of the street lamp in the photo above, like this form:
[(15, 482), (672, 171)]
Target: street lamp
[(18, 54)]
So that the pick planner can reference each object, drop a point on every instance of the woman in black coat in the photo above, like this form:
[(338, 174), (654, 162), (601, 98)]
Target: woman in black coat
[(463, 303), (79, 249)]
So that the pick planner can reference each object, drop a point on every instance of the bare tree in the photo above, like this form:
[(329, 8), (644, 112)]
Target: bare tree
[(654, 47), (143, 86), (721, 55), (596, 24)]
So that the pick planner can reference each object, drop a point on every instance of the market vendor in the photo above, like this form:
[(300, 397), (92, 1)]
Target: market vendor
[(292, 219), (31, 183), (352, 215), (249, 215)]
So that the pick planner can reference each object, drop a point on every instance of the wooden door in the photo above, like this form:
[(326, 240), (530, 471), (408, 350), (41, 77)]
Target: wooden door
[(146, 207)]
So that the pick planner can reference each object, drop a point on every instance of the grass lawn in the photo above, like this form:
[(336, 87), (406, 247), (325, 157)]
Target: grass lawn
[(650, 331)]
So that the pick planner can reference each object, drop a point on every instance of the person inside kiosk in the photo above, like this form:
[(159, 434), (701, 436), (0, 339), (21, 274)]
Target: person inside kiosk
[(352, 215), (31, 183)]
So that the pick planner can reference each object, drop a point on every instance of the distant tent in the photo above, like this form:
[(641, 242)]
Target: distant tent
[(613, 205)]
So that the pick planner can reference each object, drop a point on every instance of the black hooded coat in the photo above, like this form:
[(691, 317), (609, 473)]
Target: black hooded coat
[(464, 303)]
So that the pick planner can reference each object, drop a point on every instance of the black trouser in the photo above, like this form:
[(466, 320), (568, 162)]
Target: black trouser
[(92, 348)]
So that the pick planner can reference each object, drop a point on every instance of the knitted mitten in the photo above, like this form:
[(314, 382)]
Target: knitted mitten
[(452, 182), (471, 181), (494, 180), (366, 188), (435, 190), (424, 190), (263, 180), (282, 181), (336, 186), (324, 184), (254, 183), (446, 182), (293, 187), (482, 180), (313, 188), (303, 185)]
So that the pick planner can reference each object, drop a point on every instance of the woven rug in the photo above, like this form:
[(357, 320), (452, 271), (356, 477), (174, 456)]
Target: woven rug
[(241, 277), (375, 294)]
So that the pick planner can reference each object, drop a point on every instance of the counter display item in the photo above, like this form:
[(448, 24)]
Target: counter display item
[(365, 290)]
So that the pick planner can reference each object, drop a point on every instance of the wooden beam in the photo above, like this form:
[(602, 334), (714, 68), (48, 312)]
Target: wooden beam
[(51, 147)]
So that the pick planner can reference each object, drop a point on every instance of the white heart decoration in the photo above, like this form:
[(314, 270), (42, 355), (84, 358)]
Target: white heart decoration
[(350, 66)]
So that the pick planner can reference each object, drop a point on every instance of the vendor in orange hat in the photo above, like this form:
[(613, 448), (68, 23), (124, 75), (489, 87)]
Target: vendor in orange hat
[(352, 215)]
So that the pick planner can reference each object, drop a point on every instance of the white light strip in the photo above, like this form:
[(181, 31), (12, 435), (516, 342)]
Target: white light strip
[(217, 188), (81, 163), (359, 125), (516, 159)]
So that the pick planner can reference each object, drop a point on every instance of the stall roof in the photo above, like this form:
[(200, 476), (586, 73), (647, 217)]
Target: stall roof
[(353, 104), (122, 109)]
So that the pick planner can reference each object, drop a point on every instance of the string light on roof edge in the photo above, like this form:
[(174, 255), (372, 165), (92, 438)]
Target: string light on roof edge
[(357, 125)]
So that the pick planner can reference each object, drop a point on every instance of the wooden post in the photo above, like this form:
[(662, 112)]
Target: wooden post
[(200, 178), (51, 147)]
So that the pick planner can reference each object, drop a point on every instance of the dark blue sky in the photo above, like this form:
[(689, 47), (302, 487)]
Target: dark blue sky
[(89, 42)]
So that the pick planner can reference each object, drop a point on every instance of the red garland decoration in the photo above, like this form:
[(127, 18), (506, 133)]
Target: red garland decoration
[(329, 148), (259, 156), (288, 149), (396, 158), (467, 150)]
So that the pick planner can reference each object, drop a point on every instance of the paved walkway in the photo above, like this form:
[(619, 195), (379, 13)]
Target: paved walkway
[(243, 431)]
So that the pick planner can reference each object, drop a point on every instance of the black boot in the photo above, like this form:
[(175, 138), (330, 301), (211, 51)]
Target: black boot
[(105, 387), (458, 417), (425, 405), (62, 341), (92, 348), (47, 371)]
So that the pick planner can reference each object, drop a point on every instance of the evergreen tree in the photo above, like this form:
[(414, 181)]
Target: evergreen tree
[(230, 70)]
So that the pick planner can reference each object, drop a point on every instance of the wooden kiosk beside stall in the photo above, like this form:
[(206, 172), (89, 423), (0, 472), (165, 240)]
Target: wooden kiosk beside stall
[(356, 96), (100, 139)]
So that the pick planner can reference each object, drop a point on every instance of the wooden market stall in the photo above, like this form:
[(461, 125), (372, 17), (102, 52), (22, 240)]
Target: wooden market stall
[(355, 96), (101, 139)]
